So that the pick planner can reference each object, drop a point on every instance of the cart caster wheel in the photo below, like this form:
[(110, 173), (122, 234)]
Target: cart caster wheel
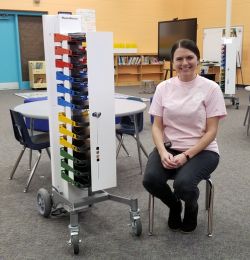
[(44, 202), (137, 227), (75, 244)]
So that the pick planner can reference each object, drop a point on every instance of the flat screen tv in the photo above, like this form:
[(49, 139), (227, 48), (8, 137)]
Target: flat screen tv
[(171, 31)]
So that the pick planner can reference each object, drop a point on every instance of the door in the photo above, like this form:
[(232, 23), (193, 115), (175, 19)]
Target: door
[(31, 42), (8, 53)]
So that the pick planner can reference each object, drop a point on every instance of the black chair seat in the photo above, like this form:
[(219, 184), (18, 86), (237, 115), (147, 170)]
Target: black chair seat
[(39, 141)]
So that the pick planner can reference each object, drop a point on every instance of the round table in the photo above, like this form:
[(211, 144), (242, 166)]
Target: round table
[(40, 109), (123, 107)]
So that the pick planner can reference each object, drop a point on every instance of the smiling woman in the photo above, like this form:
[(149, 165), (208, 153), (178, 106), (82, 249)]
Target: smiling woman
[(185, 56), (186, 111)]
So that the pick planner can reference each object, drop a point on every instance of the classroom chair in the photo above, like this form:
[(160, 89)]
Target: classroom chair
[(36, 142)]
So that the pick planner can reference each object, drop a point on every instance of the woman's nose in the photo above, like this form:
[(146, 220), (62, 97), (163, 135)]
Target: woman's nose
[(185, 61)]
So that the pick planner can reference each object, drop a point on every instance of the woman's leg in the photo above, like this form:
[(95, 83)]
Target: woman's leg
[(155, 182), (186, 183), (192, 173), (156, 177)]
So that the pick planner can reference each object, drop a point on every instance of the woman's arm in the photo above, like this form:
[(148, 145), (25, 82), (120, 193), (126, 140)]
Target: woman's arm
[(210, 134), (167, 158), (207, 138)]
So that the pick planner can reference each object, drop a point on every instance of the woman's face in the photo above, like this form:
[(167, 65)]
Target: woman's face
[(185, 63)]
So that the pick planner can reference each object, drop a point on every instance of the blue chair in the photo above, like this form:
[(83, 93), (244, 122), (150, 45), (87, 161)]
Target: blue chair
[(34, 142), (151, 117), (41, 125), (127, 127)]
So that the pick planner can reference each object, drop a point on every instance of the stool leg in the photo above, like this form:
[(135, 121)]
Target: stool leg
[(207, 197), (151, 215), (210, 208)]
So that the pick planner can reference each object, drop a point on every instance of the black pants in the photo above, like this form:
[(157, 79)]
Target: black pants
[(186, 178)]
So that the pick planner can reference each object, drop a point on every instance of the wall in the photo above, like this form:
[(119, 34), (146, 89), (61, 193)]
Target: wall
[(129, 20), (212, 13), (136, 20)]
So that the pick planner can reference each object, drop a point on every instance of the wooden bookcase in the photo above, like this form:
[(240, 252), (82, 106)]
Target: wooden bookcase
[(131, 69), (37, 74)]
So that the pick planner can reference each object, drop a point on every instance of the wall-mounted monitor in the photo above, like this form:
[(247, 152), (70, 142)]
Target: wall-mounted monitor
[(171, 31)]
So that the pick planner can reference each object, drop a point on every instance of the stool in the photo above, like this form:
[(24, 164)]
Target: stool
[(247, 116), (147, 86), (209, 202)]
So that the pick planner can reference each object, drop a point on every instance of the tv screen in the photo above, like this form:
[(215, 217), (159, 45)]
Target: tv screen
[(171, 31)]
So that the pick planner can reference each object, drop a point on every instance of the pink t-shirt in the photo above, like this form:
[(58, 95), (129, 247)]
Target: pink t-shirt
[(184, 107)]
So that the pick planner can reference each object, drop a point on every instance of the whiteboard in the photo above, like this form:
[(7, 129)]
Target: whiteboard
[(212, 40)]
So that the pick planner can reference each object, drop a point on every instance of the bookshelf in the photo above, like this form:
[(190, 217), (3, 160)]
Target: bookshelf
[(37, 74), (131, 69)]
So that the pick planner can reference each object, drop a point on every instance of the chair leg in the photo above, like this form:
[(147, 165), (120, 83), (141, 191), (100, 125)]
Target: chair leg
[(139, 155), (150, 215), (121, 144), (248, 124), (124, 147), (210, 195), (32, 172), (144, 150), (17, 162), (142, 147), (247, 113), (48, 152), (30, 159)]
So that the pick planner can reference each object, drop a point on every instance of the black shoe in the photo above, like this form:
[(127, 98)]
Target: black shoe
[(174, 219), (189, 223)]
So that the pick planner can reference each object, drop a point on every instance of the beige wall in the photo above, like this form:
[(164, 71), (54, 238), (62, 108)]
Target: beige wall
[(212, 13), (136, 20), (129, 20)]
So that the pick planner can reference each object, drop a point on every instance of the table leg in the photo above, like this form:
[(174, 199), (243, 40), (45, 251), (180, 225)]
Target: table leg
[(31, 133)]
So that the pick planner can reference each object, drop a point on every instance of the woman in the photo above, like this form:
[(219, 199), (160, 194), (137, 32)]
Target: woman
[(186, 111)]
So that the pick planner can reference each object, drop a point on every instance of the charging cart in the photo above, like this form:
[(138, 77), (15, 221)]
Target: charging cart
[(228, 70), (80, 79)]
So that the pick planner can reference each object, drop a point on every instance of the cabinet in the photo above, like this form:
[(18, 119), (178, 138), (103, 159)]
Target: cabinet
[(131, 69), (37, 74)]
